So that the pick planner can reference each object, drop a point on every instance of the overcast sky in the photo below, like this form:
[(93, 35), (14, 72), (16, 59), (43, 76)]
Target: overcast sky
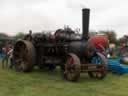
[(38, 15)]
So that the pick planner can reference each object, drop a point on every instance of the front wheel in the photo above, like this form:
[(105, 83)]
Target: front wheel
[(101, 60)]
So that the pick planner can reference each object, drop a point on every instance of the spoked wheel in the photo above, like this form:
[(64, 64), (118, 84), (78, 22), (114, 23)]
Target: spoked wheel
[(72, 67), (24, 56), (101, 60)]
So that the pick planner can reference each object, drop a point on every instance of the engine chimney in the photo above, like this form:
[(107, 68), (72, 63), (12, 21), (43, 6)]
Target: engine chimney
[(85, 23)]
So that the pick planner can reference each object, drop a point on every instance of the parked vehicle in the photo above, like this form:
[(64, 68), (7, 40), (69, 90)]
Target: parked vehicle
[(73, 52)]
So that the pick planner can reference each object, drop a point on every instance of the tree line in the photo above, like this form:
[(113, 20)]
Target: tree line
[(5, 38), (111, 34)]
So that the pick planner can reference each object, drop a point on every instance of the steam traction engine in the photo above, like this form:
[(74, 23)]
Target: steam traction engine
[(73, 52)]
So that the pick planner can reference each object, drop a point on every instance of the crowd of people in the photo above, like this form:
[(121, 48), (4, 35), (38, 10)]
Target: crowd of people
[(6, 54)]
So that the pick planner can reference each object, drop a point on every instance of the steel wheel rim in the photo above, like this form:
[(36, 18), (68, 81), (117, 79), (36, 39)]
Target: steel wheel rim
[(100, 60), (72, 67)]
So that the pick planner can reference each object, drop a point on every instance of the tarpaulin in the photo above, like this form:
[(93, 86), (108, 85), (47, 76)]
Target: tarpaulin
[(115, 66)]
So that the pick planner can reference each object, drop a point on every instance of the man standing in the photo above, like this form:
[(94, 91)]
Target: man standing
[(10, 54), (5, 57)]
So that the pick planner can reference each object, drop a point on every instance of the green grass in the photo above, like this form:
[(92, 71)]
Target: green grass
[(45, 83)]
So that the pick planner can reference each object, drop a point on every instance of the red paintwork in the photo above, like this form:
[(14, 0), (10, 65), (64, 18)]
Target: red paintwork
[(99, 41), (70, 60)]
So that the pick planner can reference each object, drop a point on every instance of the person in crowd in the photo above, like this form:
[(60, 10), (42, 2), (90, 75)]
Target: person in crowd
[(5, 57), (0, 52), (28, 36), (10, 54)]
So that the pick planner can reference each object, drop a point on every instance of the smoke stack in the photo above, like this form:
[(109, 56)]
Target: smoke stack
[(85, 23)]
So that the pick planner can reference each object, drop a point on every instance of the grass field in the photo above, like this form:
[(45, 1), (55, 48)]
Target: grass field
[(45, 83)]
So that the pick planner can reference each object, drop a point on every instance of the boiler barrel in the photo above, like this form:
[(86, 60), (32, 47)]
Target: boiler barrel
[(81, 49)]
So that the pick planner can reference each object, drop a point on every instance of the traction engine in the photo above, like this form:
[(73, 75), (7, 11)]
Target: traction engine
[(74, 53)]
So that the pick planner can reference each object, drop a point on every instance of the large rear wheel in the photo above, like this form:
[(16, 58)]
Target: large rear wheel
[(24, 56)]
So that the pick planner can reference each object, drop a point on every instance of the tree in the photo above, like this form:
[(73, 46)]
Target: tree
[(111, 35), (3, 39), (19, 35), (92, 33), (3, 36)]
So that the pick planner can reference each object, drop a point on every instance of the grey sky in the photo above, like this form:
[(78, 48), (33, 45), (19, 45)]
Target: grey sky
[(38, 15)]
